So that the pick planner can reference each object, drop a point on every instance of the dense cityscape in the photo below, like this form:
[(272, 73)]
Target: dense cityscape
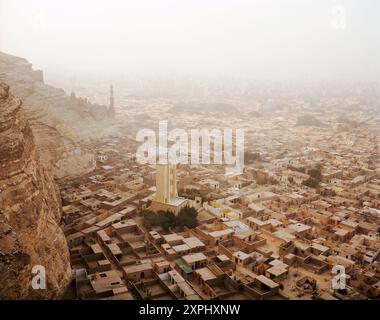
[(189, 154), (308, 200)]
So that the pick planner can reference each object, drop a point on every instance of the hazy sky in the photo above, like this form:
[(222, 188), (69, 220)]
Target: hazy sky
[(283, 39)]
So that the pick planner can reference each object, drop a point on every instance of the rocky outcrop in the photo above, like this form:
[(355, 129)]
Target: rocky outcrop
[(59, 122), (29, 211)]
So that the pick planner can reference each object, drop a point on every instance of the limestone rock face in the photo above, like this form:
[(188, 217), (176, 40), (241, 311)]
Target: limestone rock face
[(30, 209), (59, 122)]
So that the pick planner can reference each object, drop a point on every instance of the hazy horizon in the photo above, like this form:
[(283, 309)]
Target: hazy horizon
[(263, 40)]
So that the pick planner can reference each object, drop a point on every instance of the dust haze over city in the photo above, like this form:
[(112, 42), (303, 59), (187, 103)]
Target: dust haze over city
[(93, 92), (261, 40)]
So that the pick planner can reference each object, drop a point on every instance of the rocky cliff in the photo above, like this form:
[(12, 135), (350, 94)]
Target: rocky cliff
[(29, 211), (59, 122)]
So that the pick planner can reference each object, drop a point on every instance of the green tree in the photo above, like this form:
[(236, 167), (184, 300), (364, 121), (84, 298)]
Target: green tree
[(166, 219), (187, 217), (149, 218)]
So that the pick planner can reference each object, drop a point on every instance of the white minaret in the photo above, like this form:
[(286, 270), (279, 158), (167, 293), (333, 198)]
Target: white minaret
[(166, 183)]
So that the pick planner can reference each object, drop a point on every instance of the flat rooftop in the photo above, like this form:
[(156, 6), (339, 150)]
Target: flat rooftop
[(194, 257)]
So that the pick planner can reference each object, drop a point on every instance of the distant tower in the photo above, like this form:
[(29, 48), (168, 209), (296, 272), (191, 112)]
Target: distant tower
[(73, 98), (111, 109)]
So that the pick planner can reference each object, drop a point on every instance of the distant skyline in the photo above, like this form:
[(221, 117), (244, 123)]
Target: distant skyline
[(263, 40)]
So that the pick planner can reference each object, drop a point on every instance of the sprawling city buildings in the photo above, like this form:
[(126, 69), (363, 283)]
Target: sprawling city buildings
[(305, 206)]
